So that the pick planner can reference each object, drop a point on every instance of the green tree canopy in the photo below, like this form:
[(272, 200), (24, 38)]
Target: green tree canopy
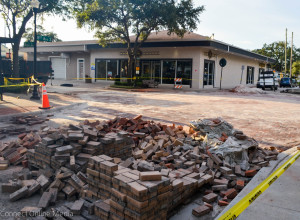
[(276, 51), (17, 14), (296, 68), (29, 34), (117, 20)]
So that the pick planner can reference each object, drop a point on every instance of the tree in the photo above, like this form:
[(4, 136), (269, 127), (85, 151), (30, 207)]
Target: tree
[(276, 51), (296, 68), (17, 13), (29, 34), (116, 20)]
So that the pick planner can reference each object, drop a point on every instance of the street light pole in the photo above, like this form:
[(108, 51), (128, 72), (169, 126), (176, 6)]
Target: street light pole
[(35, 5)]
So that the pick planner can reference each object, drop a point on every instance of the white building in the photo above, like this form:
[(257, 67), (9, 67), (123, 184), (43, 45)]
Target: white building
[(194, 58)]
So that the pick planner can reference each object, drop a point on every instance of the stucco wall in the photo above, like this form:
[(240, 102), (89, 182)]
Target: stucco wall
[(233, 70), (72, 64)]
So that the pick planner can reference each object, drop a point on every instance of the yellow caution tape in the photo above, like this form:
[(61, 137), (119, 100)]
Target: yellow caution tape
[(28, 83), (111, 78), (17, 85), (238, 208)]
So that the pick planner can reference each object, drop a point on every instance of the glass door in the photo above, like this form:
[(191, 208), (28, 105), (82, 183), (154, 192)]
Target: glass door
[(101, 70), (250, 75), (209, 73), (169, 72), (80, 69), (146, 70), (156, 71)]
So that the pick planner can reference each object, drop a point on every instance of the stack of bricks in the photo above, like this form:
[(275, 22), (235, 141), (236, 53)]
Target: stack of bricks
[(40, 156), (117, 145), (99, 176), (139, 195), (184, 184)]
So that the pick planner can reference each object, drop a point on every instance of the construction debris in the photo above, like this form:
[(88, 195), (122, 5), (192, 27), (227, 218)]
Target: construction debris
[(30, 120), (247, 90), (134, 169)]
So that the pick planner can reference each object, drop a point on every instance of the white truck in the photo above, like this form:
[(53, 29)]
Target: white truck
[(267, 79)]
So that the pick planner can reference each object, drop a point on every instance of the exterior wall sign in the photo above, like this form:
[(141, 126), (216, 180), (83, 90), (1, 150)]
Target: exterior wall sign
[(93, 66), (149, 53)]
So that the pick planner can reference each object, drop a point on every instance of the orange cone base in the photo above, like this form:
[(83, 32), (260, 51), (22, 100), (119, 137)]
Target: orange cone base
[(44, 108)]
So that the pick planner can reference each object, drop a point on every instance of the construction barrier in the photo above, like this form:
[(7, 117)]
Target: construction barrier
[(238, 208), (178, 80)]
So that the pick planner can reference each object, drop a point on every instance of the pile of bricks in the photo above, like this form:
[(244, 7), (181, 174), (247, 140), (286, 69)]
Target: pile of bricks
[(30, 119), (131, 168), (25, 121)]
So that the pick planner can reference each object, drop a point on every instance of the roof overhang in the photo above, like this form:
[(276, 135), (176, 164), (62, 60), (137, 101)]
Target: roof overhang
[(203, 43)]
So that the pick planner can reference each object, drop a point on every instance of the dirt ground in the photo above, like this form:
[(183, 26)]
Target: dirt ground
[(272, 119)]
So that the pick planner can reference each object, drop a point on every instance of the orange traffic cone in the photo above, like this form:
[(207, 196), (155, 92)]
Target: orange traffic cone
[(45, 100)]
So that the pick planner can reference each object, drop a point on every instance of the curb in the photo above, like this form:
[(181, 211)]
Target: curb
[(260, 176), (5, 118)]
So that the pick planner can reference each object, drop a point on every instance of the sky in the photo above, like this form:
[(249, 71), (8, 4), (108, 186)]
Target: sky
[(243, 23)]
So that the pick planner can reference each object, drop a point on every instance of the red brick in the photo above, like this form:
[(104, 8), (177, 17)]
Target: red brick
[(21, 136), (240, 184), (210, 197), (250, 173), (211, 207), (231, 193), (220, 182), (208, 191), (137, 117), (150, 176), (222, 203)]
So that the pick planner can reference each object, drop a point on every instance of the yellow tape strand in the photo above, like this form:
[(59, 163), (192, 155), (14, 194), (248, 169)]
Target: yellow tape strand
[(18, 85), (238, 208), (110, 78)]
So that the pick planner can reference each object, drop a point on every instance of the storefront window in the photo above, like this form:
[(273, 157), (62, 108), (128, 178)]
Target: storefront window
[(106, 69), (101, 70), (184, 71), (169, 69)]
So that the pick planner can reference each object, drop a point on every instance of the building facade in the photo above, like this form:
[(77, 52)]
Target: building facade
[(194, 58)]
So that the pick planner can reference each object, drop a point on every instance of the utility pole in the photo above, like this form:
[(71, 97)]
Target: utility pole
[(285, 50), (291, 55)]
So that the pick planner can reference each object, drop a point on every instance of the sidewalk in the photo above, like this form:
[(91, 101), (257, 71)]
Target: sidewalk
[(21, 103), (280, 201)]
